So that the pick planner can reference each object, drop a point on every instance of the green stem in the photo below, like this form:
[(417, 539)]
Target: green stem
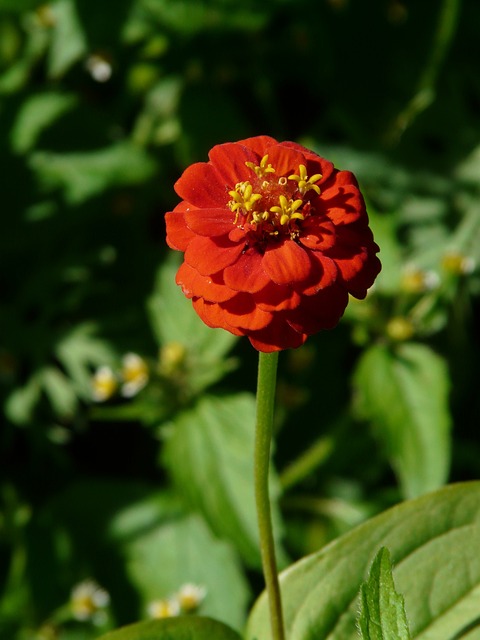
[(267, 376)]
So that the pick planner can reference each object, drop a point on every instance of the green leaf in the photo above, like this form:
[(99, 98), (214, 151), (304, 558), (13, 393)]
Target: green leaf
[(18, 73), (84, 175), (404, 392), (60, 392), (164, 548), (435, 545), (210, 456), (384, 228), (35, 114), (382, 612), (186, 628), (191, 16), (142, 542), (68, 39), (20, 404), (79, 351)]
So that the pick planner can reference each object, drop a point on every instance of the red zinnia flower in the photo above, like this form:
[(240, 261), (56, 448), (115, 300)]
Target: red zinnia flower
[(275, 238)]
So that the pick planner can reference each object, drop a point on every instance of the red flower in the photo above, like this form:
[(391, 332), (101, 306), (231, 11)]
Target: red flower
[(275, 238)]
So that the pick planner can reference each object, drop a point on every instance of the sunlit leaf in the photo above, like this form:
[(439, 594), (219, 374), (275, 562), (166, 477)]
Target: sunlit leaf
[(404, 392), (68, 39), (434, 542), (37, 113), (210, 455)]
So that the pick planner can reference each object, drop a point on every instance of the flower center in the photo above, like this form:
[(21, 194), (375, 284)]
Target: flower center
[(269, 206)]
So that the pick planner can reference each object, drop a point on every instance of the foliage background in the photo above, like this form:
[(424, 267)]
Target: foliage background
[(101, 108)]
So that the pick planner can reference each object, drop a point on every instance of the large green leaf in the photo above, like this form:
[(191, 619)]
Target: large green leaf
[(187, 628), (210, 456), (382, 613), (434, 541), (404, 392), (161, 557)]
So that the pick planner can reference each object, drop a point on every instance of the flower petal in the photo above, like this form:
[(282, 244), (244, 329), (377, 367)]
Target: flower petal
[(319, 312), (286, 262), (317, 233), (178, 234), (357, 234), (246, 274), (213, 316), (359, 283), (276, 336), (193, 284), (229, 162), (349, 260), (324, 274), (277, 297), (284, 160), (343, 204), (210, 222), (209, 256), (242, 312), (315, 163), (201, 185), (354, 253), (259, 144)]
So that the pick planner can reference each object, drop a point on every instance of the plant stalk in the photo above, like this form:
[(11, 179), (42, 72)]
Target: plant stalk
[(266, 383)]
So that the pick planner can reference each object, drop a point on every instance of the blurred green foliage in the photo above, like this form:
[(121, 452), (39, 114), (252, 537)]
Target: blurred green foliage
[(136, 476)]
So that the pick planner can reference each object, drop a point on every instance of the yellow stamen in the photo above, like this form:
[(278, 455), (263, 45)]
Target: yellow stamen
[(304, 182), (262, 169), (243, 197), (287, 210)]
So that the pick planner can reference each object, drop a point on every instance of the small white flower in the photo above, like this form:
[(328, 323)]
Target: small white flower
[(104, 384), (99, 68), (163, 608), (87, 601), (190, 596), (458, 263), (416, 280), (134, 374)]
